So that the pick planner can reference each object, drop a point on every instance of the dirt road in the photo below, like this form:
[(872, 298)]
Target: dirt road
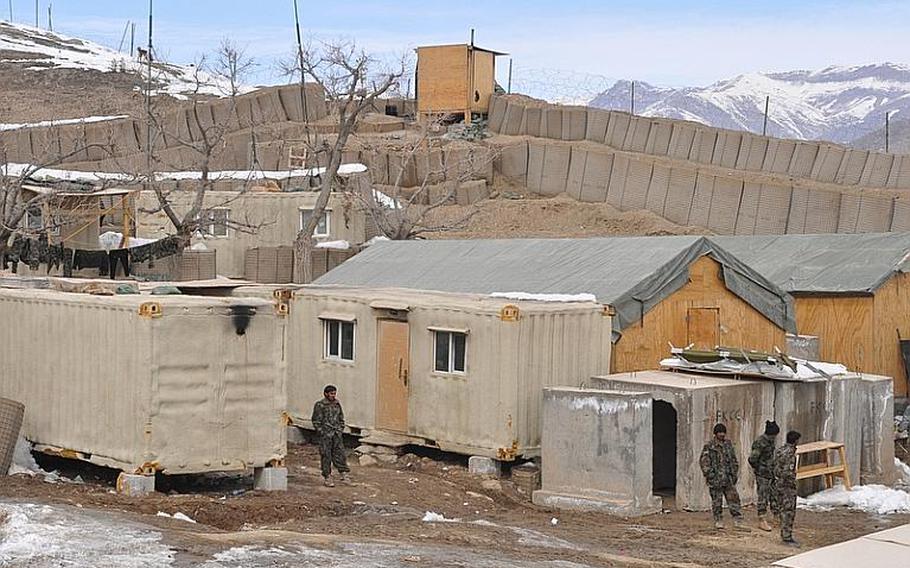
[(380, 515)]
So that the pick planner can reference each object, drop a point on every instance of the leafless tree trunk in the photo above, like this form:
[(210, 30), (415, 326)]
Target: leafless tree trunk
[(352, 84)]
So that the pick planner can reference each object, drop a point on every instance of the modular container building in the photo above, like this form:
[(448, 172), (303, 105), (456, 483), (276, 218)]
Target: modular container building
[(143, 383), (464, 373), (457, 78)]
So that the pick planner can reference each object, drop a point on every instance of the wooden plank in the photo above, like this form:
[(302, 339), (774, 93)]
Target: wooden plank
[(443, 79)]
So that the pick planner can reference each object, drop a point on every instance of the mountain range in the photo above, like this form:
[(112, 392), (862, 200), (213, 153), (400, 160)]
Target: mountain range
[(840, 104)]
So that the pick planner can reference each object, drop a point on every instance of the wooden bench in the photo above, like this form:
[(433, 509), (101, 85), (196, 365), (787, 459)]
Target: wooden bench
[(825, 469)]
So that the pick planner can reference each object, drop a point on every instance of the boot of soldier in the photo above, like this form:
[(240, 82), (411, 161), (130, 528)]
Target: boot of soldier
[(763, 523), (328, 482), (344, 478), (791, 542), (719, 525), (738, 523)]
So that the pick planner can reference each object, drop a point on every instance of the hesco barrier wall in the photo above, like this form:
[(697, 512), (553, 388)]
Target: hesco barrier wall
[(726, 202), (817, 161)]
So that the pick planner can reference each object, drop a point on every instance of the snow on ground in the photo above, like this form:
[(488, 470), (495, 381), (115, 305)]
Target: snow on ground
[(336, 245), (51, 50), (875, 499), (86, 120), (41, 535), (545, 297)]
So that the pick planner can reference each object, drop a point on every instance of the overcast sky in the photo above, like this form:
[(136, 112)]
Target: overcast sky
[(660, 41)]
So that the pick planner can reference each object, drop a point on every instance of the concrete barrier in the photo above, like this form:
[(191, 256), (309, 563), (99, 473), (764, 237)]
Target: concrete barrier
[(726, 151), (851, 168), (828, 163), (635, 193), (555, 171), (799, 203), (748, 209), (779, 156), (511, 125), (533, 118), (877, 170), (659, 137), (900, 222), (773, 210), (574, 123), (637, 135), (752, 152), (698, 403), (576, 177), (618, 128), (552, 118), (537, 150), (803, 160), (875, 213), (596, 452), (877, 453), (849, 213), (703, 145), (513, 160), (823, 210), (497, 114), (681, 140)]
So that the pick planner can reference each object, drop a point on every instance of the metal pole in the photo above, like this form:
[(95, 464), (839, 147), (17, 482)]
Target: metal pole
[(36, 13), (148, 102), (887, 132), (302, 74), (472, 37), (632, 99), (132, 38), (509, 90), (50, 21), (11, 11), (764, 126)]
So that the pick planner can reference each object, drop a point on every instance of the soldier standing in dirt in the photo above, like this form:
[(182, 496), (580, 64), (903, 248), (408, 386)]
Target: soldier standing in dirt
[(721, 470), (328, 420), (762, 461), (785, 485)]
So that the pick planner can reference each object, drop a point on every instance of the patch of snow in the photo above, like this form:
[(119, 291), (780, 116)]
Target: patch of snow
[(903, 470), (250, 554), (23, 461), (376, 239), (179, 516), (385, 201), (545, 297), (803, 371), (61, 122), (42, 535), (336, 245), (199, 246), (433, 517), (876, 499)]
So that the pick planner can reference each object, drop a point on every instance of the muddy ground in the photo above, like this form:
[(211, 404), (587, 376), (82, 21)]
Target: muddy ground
[(387, 502)]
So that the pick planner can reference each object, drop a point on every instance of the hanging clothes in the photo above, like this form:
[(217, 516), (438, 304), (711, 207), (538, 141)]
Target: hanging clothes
[(121, 256)]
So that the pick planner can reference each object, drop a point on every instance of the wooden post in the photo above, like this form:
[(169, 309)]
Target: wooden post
[(764, 128)]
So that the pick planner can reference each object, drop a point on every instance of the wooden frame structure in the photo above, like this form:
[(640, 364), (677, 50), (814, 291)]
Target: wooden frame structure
[(824, 469), (455, 79)]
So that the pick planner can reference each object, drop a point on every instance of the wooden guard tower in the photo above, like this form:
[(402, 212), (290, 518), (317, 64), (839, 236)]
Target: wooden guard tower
[(455, 79)]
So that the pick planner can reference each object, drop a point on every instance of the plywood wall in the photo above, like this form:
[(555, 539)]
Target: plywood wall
[(844, 326), (644, 344), (443, 79), (484, 80), (891, 308)]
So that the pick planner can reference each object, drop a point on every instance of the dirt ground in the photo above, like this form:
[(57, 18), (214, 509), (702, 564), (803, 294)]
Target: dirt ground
[(561, 216), (386, 503)]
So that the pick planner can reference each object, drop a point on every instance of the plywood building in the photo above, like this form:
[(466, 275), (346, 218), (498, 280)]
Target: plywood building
[(680, 290), (851, 291), (455, 79)]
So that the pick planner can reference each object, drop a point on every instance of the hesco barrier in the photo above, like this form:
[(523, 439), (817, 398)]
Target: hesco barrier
[(11, 413), (818, 161), (725, 204)]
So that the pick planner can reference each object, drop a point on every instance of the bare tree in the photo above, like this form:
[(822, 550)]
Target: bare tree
[(352, 81), (202, 137)]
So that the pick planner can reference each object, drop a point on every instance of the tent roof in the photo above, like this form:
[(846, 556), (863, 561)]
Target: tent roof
[(631, 274), (824, 264)]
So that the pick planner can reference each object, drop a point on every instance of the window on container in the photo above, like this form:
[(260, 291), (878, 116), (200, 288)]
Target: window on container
[(322, 227), (450, 351), (34, 221), (339, 340), (218, 222)]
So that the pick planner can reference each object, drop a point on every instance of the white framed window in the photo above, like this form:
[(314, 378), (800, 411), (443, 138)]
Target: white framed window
[(449, 351), (218, 220), (339, 339), (323, 227)]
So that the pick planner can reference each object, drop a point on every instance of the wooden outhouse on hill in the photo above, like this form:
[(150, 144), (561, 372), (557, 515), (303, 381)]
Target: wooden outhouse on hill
[(455, 79)]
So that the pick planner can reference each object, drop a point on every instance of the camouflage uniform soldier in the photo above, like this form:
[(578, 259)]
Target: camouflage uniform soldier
[(328, 419), (721, 469), (762, 461), (785, 485)]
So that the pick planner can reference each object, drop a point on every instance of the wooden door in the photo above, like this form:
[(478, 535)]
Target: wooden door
[(703, 327), (394, 367)]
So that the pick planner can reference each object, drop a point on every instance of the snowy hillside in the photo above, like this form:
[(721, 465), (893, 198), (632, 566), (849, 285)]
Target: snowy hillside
[(836, 103), (33, 49)]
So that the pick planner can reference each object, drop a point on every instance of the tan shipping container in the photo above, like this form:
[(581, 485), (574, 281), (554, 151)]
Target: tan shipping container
[(512, 349), (177, 384)]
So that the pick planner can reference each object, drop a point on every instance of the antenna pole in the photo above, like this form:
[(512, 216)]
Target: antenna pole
[(36, 13), (11, 11), (509, 90), (148, 101), (50, 20), (306, 115), (764, 126), (132, 37), (632, 98)]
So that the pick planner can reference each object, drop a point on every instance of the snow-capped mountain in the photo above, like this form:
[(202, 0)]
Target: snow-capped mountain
[(34, 49), (837, 103)]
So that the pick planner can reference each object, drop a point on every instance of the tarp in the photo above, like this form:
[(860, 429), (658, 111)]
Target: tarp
[(631, 274), (833, 263)]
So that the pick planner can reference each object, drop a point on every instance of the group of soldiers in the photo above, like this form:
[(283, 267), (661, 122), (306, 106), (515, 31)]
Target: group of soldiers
[(775, 469), (775, 478)]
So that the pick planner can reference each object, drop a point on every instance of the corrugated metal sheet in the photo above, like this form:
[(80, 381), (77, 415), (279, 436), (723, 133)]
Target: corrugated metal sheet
[(182, 390)]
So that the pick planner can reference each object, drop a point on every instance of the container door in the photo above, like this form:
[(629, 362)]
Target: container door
[(394, 367), (703, 325)]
